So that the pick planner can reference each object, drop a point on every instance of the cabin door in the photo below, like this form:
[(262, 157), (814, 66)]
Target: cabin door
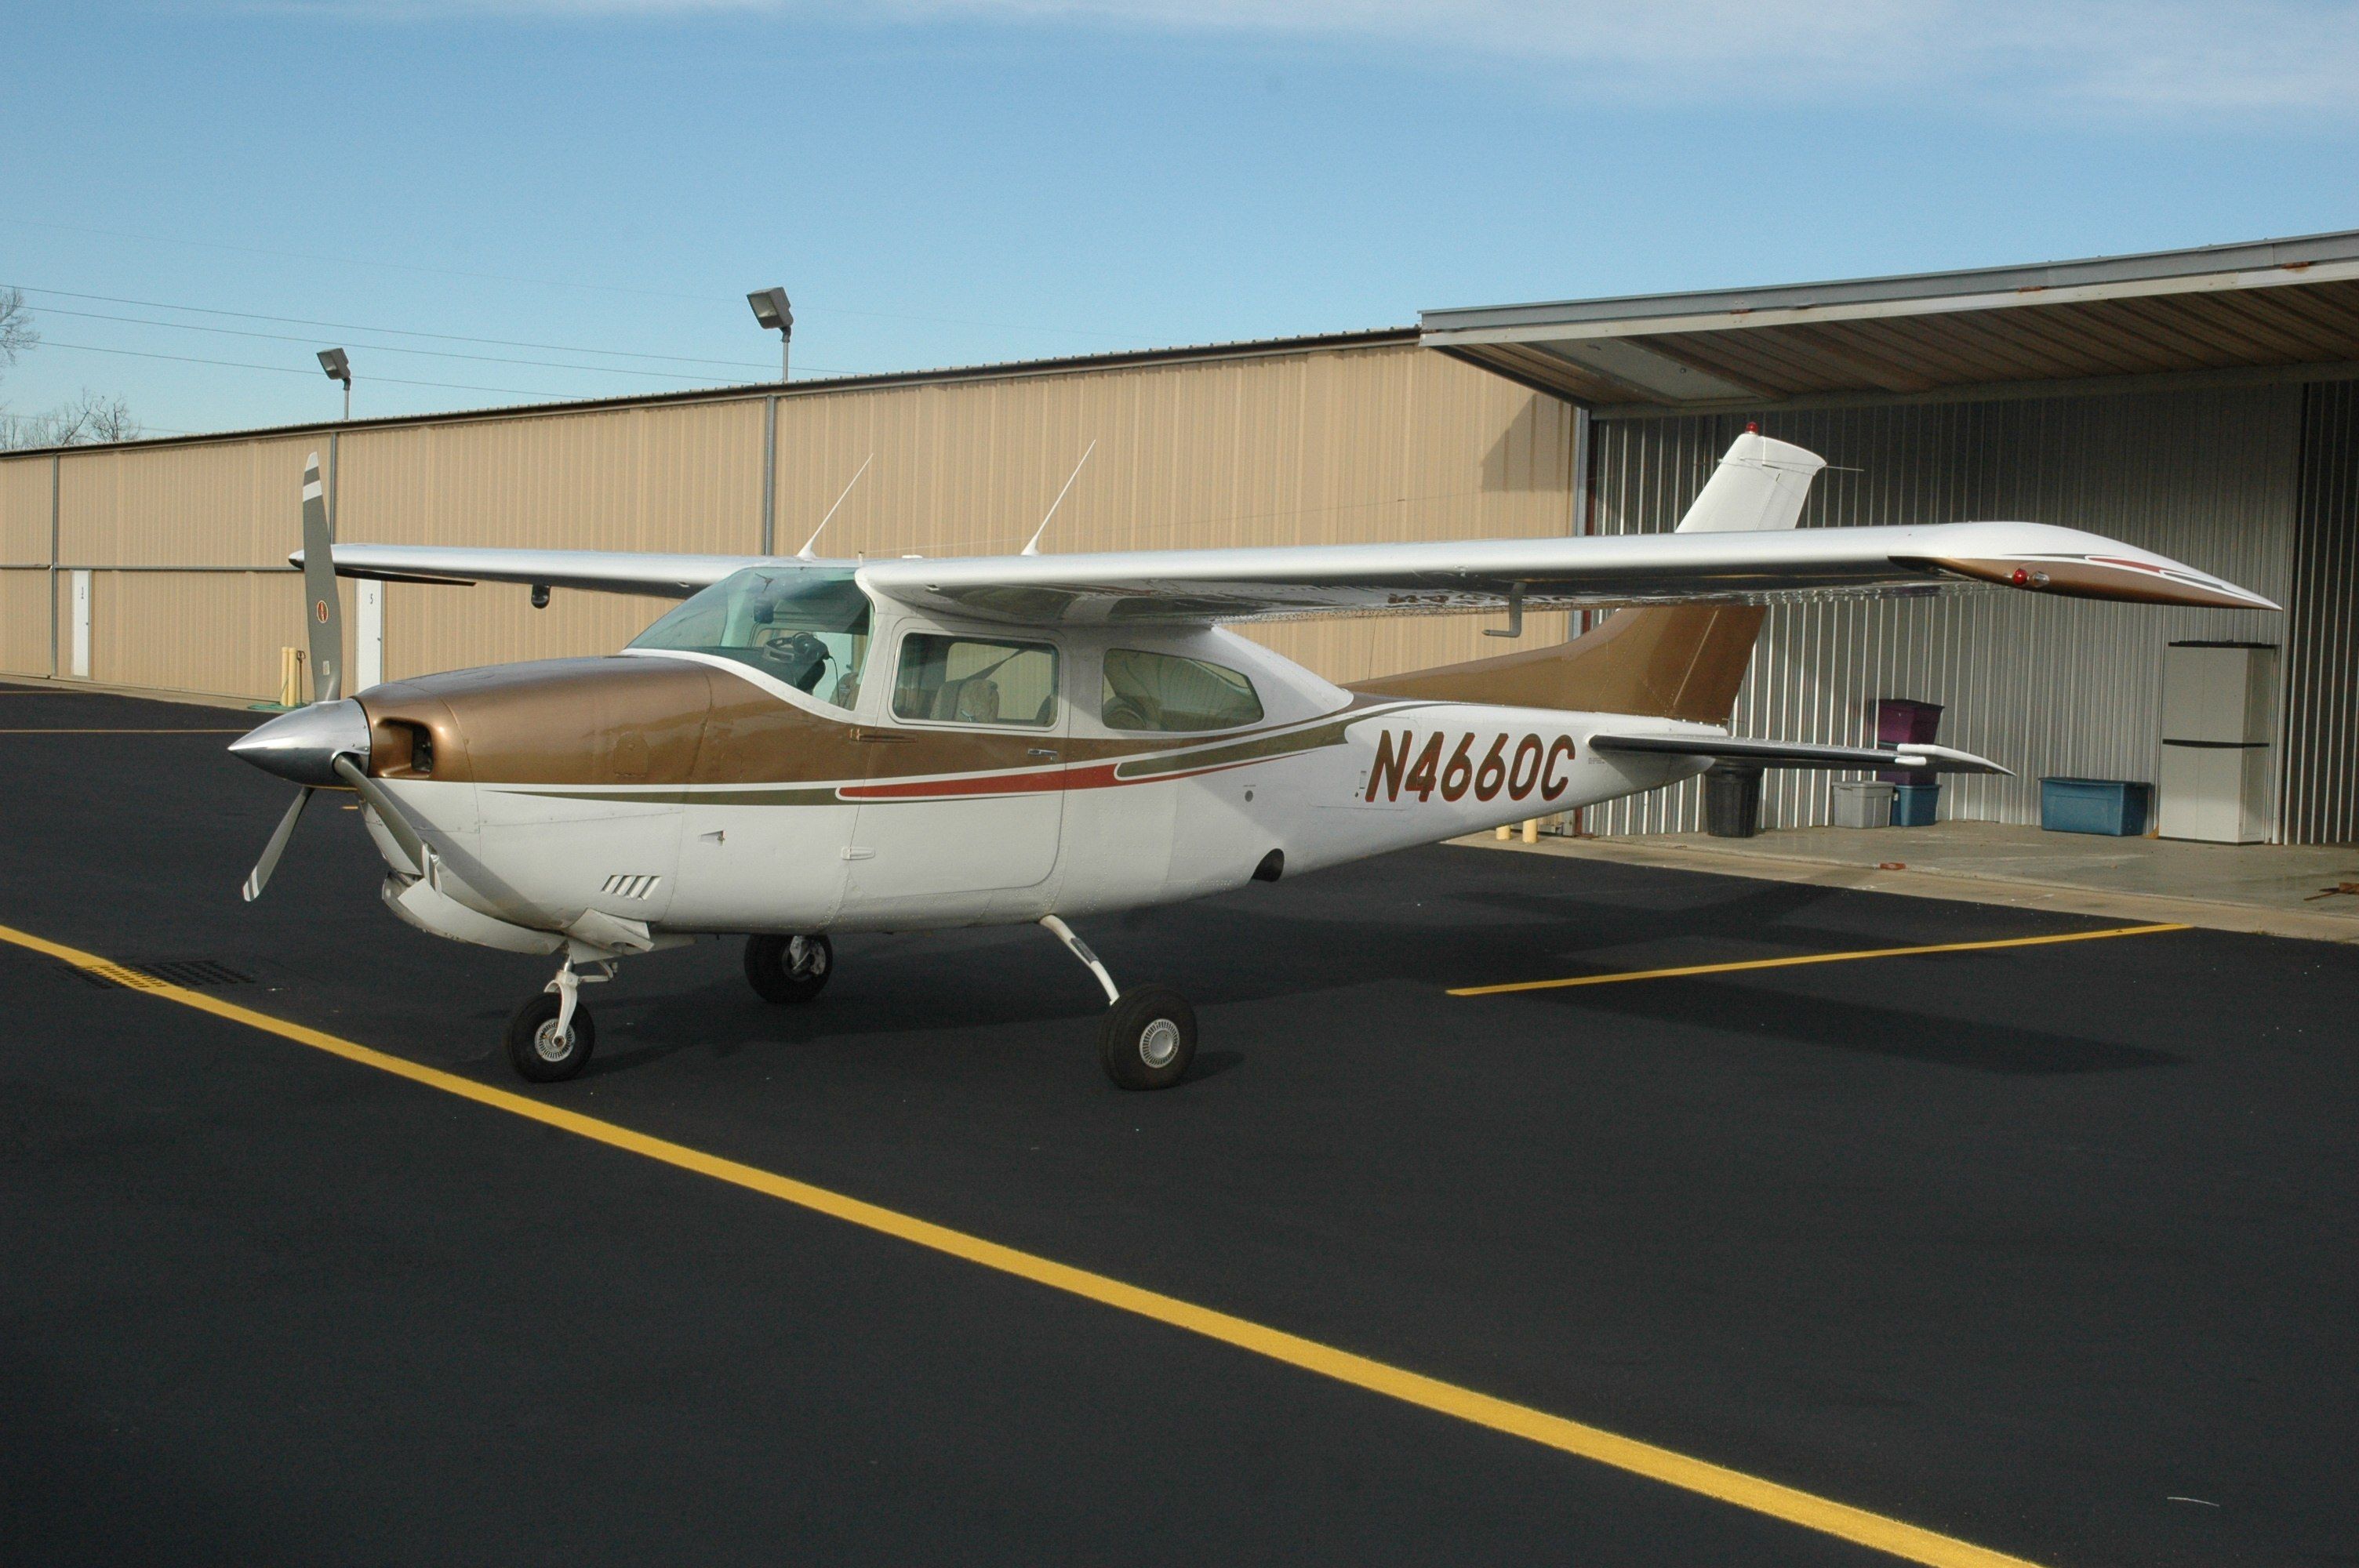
[(964, 797)]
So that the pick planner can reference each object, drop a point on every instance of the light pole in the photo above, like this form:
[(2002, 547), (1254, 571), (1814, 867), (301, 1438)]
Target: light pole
[(770, 309), (339, 368)]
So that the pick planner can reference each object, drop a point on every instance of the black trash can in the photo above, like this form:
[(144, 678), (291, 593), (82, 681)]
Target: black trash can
[(1732, 800)]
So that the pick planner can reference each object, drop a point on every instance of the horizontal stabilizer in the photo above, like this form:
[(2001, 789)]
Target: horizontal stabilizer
[(1802, 754)]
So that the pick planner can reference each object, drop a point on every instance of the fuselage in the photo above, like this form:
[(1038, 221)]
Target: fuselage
[(675, 791)]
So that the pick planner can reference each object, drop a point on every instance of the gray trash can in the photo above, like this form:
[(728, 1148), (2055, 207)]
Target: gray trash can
[(1732, 800), (1867, 803)]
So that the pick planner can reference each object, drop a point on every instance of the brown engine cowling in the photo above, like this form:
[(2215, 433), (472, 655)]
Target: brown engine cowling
[(610, 720)]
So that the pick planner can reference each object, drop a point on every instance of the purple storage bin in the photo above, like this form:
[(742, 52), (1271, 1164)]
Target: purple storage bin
[(1899, 720)]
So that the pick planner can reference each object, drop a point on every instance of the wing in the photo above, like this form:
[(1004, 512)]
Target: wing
[(1193, 586), (605, 571), (1802, 753)]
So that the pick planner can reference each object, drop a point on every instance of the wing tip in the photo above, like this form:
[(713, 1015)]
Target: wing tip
[(2128, 577)]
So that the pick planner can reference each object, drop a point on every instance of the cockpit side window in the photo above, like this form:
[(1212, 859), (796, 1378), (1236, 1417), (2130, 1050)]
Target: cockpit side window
[(806, 627)]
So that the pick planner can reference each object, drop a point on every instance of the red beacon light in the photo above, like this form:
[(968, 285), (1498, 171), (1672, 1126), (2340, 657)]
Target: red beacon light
[(2022, 579)]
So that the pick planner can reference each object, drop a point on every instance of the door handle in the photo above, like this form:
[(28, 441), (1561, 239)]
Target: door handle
[(1041, 752), (861, 732)]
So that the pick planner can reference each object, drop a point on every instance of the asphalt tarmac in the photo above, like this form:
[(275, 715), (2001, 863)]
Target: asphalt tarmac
[(2048, 1248)]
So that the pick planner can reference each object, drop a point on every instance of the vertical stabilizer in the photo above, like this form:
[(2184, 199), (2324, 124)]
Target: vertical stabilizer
[(1681, 661), (1759, 485)]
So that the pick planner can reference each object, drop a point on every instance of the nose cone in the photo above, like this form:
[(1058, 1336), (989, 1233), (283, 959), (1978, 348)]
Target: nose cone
[(301, 747)]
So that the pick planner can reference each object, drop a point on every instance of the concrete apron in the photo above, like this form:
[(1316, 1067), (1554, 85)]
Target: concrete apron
[(2271, 890)]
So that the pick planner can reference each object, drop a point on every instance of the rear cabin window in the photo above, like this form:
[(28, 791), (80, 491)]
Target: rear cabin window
[(808, 628), (1167, 692), (972, 680)]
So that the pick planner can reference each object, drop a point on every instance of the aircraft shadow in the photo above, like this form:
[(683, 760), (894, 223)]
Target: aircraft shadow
[(1241, 949)]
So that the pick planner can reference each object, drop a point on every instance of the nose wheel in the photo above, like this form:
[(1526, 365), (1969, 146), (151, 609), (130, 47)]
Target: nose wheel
[(551, 1037), (545, 1050)]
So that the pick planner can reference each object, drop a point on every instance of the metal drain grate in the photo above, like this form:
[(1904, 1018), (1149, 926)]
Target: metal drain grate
[(193, 974)]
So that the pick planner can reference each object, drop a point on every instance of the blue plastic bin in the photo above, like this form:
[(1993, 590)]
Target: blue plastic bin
[(1915, 805), (2093, 806)]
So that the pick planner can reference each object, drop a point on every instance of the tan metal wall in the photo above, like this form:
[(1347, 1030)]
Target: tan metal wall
[(23, 571), (1385, 442)]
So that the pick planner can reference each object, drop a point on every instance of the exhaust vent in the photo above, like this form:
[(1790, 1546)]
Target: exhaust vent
[(637, 887)]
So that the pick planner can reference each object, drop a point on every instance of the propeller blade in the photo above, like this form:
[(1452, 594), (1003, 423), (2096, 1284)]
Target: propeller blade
[(323, 613), (388, 811), (259, 878)]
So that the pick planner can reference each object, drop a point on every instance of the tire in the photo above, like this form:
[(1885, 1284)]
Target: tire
[(1149, 1038), (771, 971), (531, 1041)]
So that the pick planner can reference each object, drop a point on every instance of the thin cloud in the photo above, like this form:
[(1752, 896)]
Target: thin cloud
[(2160, 57)]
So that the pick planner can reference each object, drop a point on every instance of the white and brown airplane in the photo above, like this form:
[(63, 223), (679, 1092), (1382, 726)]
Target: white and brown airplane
[(809, 746)]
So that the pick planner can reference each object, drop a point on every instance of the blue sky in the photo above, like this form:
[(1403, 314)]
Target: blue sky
[(952, 182)]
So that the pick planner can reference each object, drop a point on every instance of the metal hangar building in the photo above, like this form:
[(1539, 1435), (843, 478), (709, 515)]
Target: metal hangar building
[(2202, 402)]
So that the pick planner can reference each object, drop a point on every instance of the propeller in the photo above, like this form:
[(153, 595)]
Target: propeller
[(325, 611), (259, 878), (295, 749)]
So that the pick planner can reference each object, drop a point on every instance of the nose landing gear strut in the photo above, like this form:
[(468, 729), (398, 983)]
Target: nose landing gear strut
[(551, 1037)]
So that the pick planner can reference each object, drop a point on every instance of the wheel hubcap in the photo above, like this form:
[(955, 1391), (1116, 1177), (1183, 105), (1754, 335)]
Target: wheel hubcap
[(1159, 1043), (550, 1046)]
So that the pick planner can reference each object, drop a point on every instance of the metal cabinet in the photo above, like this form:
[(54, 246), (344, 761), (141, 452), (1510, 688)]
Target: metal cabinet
[(2219, 714)]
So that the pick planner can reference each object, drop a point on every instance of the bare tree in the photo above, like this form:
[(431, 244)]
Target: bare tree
[(16, 333), (92, 417)]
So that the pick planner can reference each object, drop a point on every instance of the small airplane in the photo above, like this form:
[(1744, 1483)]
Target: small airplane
[(807, 746)]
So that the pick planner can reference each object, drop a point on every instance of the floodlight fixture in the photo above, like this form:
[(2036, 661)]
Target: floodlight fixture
[(771, 309), (339, 368)]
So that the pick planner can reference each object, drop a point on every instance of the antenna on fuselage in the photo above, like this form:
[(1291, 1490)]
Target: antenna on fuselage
[(804, 553), (1033, 548)]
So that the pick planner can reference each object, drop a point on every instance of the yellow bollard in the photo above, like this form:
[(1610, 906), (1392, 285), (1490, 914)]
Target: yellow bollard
[(1531, 829), (1502, 835)]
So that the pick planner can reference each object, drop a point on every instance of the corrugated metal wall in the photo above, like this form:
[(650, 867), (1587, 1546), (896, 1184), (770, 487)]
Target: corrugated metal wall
[(2046, 686), (2321, 771), (24, 486), (1364, 444), (1377, 442), (1361, 443)]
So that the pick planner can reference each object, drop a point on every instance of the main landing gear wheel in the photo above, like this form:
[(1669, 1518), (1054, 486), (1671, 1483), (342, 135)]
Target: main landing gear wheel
[(788, 968), (539, 1051), (1149, 1038)]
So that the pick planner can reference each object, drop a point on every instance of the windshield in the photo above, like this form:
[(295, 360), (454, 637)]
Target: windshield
[(807, 627)]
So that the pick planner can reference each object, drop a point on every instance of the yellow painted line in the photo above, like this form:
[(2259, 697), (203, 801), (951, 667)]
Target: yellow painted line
[(1798, 959), (47, 729), (1700, 1477)]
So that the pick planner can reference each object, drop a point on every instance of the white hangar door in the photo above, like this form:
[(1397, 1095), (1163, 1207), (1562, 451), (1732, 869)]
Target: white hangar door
[(964, 800)]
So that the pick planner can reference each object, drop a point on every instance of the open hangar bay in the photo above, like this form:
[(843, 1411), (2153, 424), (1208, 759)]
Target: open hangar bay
[(2031, 1252), (1712, 1229)]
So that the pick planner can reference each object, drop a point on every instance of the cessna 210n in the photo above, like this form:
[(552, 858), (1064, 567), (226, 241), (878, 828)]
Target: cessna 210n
[(809, 746)]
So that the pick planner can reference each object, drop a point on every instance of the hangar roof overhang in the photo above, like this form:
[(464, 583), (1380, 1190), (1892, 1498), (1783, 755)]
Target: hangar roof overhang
[(2272, 304)]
